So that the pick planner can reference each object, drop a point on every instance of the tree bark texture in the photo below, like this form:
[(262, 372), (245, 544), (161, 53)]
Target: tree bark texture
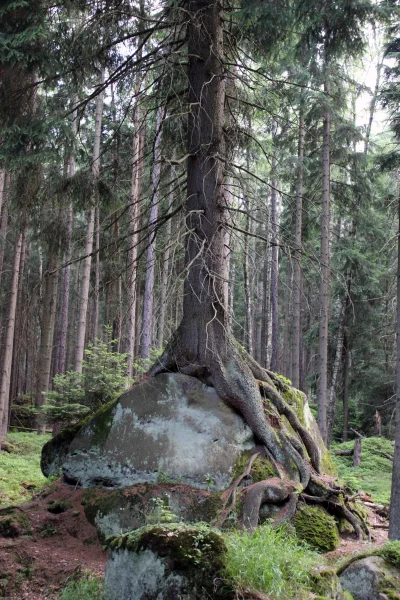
[(325, 276), (9, 342), (87, 261), (274, 266), (148, 300)]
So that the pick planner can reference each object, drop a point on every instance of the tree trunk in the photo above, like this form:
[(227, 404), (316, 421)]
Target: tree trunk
[(87, 261), (66, 273), (165, 267), (2, 187), (394, 514), (46, 337), (357, 452), (325, 276), (296, 334), (148, 300), (332, 394), (134, 198), (9, 343), (248, 300), (274, 266), (4, 221)]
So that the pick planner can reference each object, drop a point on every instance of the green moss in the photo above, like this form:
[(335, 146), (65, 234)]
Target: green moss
[(102, 422), (391, 553), (56, 448), (14, 524), (374, 476), (327, 464), (20, 474), (260, 469), (325, 582), (314, 526), (185, 545)]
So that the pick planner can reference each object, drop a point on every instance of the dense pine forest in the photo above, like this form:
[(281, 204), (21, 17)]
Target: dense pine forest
[(206, 189)]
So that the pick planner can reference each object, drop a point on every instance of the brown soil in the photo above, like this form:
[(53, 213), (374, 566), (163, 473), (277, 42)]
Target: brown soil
[(60, 547)]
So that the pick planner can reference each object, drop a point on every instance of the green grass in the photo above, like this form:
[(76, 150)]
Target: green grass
[(271, 561), (20, 474), (374, 476), (89, 587)]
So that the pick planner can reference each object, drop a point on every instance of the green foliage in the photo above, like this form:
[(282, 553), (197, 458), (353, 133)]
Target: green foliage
[(374, 476), (89, 587), (161, 512), (76, 395), (20, 473), (316, 527), (391, 552), (271, 561)]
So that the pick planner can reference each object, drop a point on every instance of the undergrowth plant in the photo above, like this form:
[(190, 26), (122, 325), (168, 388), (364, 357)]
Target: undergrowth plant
[(89, 587), (271, 561)]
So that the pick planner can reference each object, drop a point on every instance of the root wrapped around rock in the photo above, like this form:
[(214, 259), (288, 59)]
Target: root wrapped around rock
[(218, 360)]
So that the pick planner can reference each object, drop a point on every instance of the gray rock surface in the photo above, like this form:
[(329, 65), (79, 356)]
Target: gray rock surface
[(169, 427), (371, 578)]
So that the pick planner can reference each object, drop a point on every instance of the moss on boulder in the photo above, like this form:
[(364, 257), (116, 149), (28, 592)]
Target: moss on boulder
[(56, 449), (167, 561), (316, 527), (132, 507), (261, 467)]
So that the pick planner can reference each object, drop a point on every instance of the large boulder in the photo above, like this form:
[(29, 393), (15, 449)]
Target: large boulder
[(371, 578), (170, 427)]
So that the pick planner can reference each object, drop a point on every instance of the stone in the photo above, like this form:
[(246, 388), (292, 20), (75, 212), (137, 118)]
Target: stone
[(166, 563), (125, 509), (316, 527), (55, 450), (371, 578), (168, 428)]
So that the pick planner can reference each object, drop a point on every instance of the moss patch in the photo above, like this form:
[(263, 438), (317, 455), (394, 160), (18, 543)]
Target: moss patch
[(14, 524), (374, 476), (55, 450), (260, 469), (327, 463), (314, 526), (391, 553), (20, 474), (325, 582)]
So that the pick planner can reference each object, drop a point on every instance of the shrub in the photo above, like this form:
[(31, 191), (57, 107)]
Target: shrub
[(271, 561), (76, 395)]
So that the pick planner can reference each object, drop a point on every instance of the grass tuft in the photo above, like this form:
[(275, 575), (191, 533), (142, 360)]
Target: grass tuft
[(89, 587), (271, 561), (20, 474)]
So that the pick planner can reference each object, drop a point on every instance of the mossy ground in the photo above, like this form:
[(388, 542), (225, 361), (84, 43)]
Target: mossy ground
[(374, 476), (20, 474), (315, 527)]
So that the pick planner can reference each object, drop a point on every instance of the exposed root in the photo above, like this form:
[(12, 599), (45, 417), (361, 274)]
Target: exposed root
[(243, 384), (270, 491)]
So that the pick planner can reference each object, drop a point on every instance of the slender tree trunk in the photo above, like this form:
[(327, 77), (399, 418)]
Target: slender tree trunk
[(95, 327), (274, 267), (165, 267), (325, 276), (4, 221), (87, 261), (148, 300), (248, 331), (296, 334), (66, 274), (46, 337), (332, 394), (2, 187), (133, 235), (357, 452), (9, 343), (394, 514)]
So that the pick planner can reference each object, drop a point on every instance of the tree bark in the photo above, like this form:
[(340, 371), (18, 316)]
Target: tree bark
[(165, 269), (9, 343), (394, 513), (4, 220), (357, 452), (87, 261), (148, 300), (296, 334), (274, 265), (46, 337), (325, 276)]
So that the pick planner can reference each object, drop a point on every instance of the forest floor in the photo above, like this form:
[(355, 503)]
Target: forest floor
[(54, 548)]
